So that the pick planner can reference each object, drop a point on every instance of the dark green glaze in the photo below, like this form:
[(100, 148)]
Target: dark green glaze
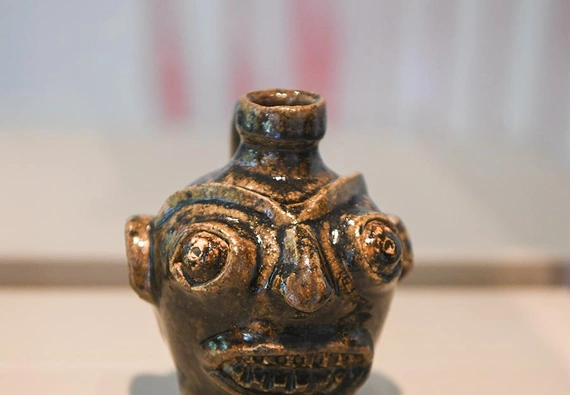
[(272, 275)]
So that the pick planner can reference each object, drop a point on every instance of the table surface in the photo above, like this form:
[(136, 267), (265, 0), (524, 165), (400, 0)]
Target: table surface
[(436, 341)]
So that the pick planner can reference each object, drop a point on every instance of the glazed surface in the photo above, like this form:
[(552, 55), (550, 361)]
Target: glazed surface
[(272, 275)]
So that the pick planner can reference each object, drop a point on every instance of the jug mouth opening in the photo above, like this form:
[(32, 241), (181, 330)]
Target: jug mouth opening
[(283, 97), (281, 118)]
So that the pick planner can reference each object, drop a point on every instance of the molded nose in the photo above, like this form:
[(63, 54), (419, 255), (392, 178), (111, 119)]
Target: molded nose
[(303, 282)]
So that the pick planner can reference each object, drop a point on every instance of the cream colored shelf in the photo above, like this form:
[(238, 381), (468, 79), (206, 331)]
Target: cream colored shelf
[(444, 342)]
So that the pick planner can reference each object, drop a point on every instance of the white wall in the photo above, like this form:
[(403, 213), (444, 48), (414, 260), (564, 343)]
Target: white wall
[(466, 68), (465, 103)]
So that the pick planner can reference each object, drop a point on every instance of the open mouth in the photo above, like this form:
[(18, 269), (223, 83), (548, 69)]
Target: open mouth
[(289, 363), (295, 373)]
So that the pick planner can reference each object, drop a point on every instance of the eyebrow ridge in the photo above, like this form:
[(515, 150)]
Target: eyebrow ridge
[(330, 196)]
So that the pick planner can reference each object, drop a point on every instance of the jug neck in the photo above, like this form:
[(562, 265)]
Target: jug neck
[(280, 131)]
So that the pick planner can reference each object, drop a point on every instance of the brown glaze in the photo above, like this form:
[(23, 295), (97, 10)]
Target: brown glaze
[(272, 275)]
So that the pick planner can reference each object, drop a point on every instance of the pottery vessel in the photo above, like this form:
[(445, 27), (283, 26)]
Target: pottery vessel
[(272, 275)]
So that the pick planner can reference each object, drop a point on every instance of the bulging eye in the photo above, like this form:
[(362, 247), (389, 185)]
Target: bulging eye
[(381, 246), (200, 258)]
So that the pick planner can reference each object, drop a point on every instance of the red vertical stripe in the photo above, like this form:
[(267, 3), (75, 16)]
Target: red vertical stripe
[(169, 59), (240, 38), (316, 47)]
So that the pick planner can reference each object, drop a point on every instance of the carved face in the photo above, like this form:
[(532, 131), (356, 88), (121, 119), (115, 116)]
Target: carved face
[(260, 297)]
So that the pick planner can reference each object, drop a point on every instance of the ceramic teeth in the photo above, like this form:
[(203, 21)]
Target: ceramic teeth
[(269, 381), (295, 381), (246, 376), (311, 360), (290, 384), (295, 374), (334, 360)]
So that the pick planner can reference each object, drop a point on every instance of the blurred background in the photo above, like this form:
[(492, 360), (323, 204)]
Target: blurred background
[(457, 113)]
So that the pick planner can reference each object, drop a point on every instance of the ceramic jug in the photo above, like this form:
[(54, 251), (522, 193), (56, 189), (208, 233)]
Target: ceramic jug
[(272, 275)]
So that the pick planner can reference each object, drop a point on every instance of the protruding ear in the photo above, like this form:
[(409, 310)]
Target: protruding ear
[(408, 255), (138, 238)]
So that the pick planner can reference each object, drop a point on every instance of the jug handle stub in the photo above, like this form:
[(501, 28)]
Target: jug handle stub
[(234, 137), (138, 237)]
